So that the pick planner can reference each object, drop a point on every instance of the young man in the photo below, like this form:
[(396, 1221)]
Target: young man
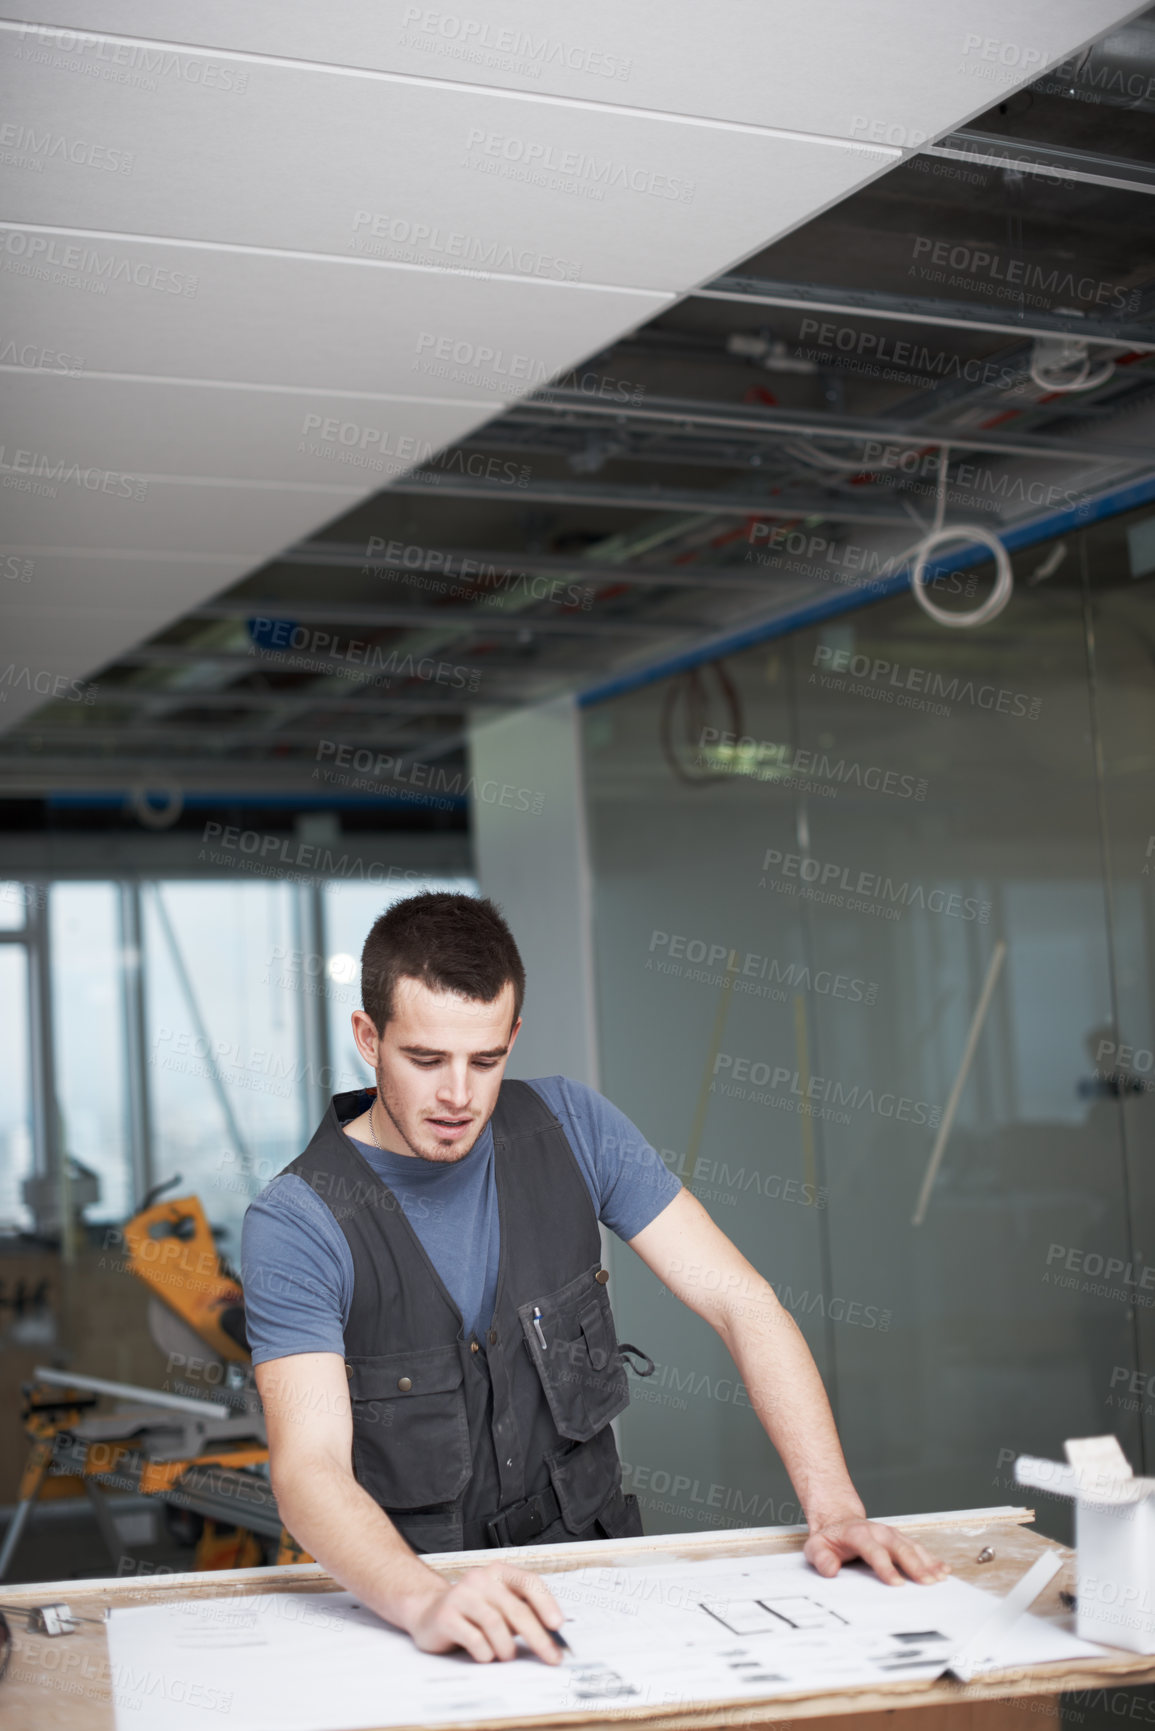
[(433, 1337)]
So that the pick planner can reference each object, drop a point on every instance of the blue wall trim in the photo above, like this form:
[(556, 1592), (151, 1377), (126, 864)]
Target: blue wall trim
[(810, 612)]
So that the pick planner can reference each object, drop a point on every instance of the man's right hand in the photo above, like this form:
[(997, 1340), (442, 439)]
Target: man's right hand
[(485, 1610), (309, 1418)]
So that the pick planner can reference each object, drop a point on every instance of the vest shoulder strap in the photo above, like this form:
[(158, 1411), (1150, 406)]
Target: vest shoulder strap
[(521, 1111)]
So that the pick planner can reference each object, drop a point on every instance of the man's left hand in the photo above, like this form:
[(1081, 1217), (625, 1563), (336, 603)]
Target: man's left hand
[(893, 1557)]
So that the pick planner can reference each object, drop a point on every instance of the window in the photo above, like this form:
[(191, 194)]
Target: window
[(223, 1045), (207, 1046), (15, 1093), (88, 1039)]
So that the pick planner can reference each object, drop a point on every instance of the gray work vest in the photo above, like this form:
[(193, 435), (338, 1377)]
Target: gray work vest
[(468, 1442)]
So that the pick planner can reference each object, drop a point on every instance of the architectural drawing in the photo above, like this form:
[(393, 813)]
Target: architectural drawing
[(643, 1634)]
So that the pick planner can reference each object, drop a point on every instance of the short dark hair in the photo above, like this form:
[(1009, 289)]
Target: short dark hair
[(451, 943)]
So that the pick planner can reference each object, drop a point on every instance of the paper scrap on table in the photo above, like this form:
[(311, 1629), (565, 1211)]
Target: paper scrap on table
[(661, 1635)]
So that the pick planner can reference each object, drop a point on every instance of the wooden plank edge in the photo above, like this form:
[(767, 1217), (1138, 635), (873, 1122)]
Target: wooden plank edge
[(603, 1550)]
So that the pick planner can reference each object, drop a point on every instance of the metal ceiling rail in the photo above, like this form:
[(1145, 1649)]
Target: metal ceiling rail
[(706, 500), (476, 621), (43, 767), (357, 673), (145, 697), (920, 309), (854, 428), (31, 776), (339, 555), (101, 735), (586, 448), (773, 458), (1054, 162)]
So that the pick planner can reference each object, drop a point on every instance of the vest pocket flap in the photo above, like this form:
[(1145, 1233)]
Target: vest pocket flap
[(574, 1349), (410, 1427), (598, 1343), (403, 1375)]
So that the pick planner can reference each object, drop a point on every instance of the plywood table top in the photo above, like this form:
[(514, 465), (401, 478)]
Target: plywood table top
[(63, 1683)]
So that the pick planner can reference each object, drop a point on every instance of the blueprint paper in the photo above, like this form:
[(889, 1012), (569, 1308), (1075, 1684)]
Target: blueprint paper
[(645, 1634), (773, 1626)]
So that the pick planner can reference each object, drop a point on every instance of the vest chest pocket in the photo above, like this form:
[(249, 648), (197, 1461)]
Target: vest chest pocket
[(410, 1427), (579, 1364)]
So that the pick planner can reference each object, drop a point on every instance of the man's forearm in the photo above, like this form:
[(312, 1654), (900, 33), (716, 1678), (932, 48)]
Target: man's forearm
[(340, 1525), (786, 1392)]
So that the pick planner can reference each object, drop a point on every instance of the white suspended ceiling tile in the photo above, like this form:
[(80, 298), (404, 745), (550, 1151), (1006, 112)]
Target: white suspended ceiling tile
[(81, 611), (93, 509), (163, 310), (53, 422), (837, 67), (309, 160)]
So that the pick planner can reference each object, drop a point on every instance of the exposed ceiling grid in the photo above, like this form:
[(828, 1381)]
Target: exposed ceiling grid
[(287, 250)]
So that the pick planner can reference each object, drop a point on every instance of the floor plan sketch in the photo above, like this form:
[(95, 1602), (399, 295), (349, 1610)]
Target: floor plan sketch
[(641, 1635), (772, 1616)]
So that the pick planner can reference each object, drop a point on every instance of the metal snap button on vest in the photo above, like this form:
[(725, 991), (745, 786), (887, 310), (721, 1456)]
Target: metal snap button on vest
[(473, 1346), (491, 1336), (349, 1370), (602, 1276), (404, 1383)]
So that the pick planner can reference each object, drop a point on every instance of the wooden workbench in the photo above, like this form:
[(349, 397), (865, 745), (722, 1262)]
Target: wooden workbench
[(62, 1683)]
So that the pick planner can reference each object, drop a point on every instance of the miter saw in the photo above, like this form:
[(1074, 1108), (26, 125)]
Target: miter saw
[(206, 1458)]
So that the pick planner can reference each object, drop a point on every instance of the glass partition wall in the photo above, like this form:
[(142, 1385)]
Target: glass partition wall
[(823, 869)]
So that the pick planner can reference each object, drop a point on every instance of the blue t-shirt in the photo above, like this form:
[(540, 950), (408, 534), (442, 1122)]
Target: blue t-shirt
[(297, 1268)]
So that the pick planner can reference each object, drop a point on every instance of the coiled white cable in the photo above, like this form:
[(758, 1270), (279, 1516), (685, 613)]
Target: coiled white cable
[(157, 816), (1065, 353), (966, 532), (934, 538)]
